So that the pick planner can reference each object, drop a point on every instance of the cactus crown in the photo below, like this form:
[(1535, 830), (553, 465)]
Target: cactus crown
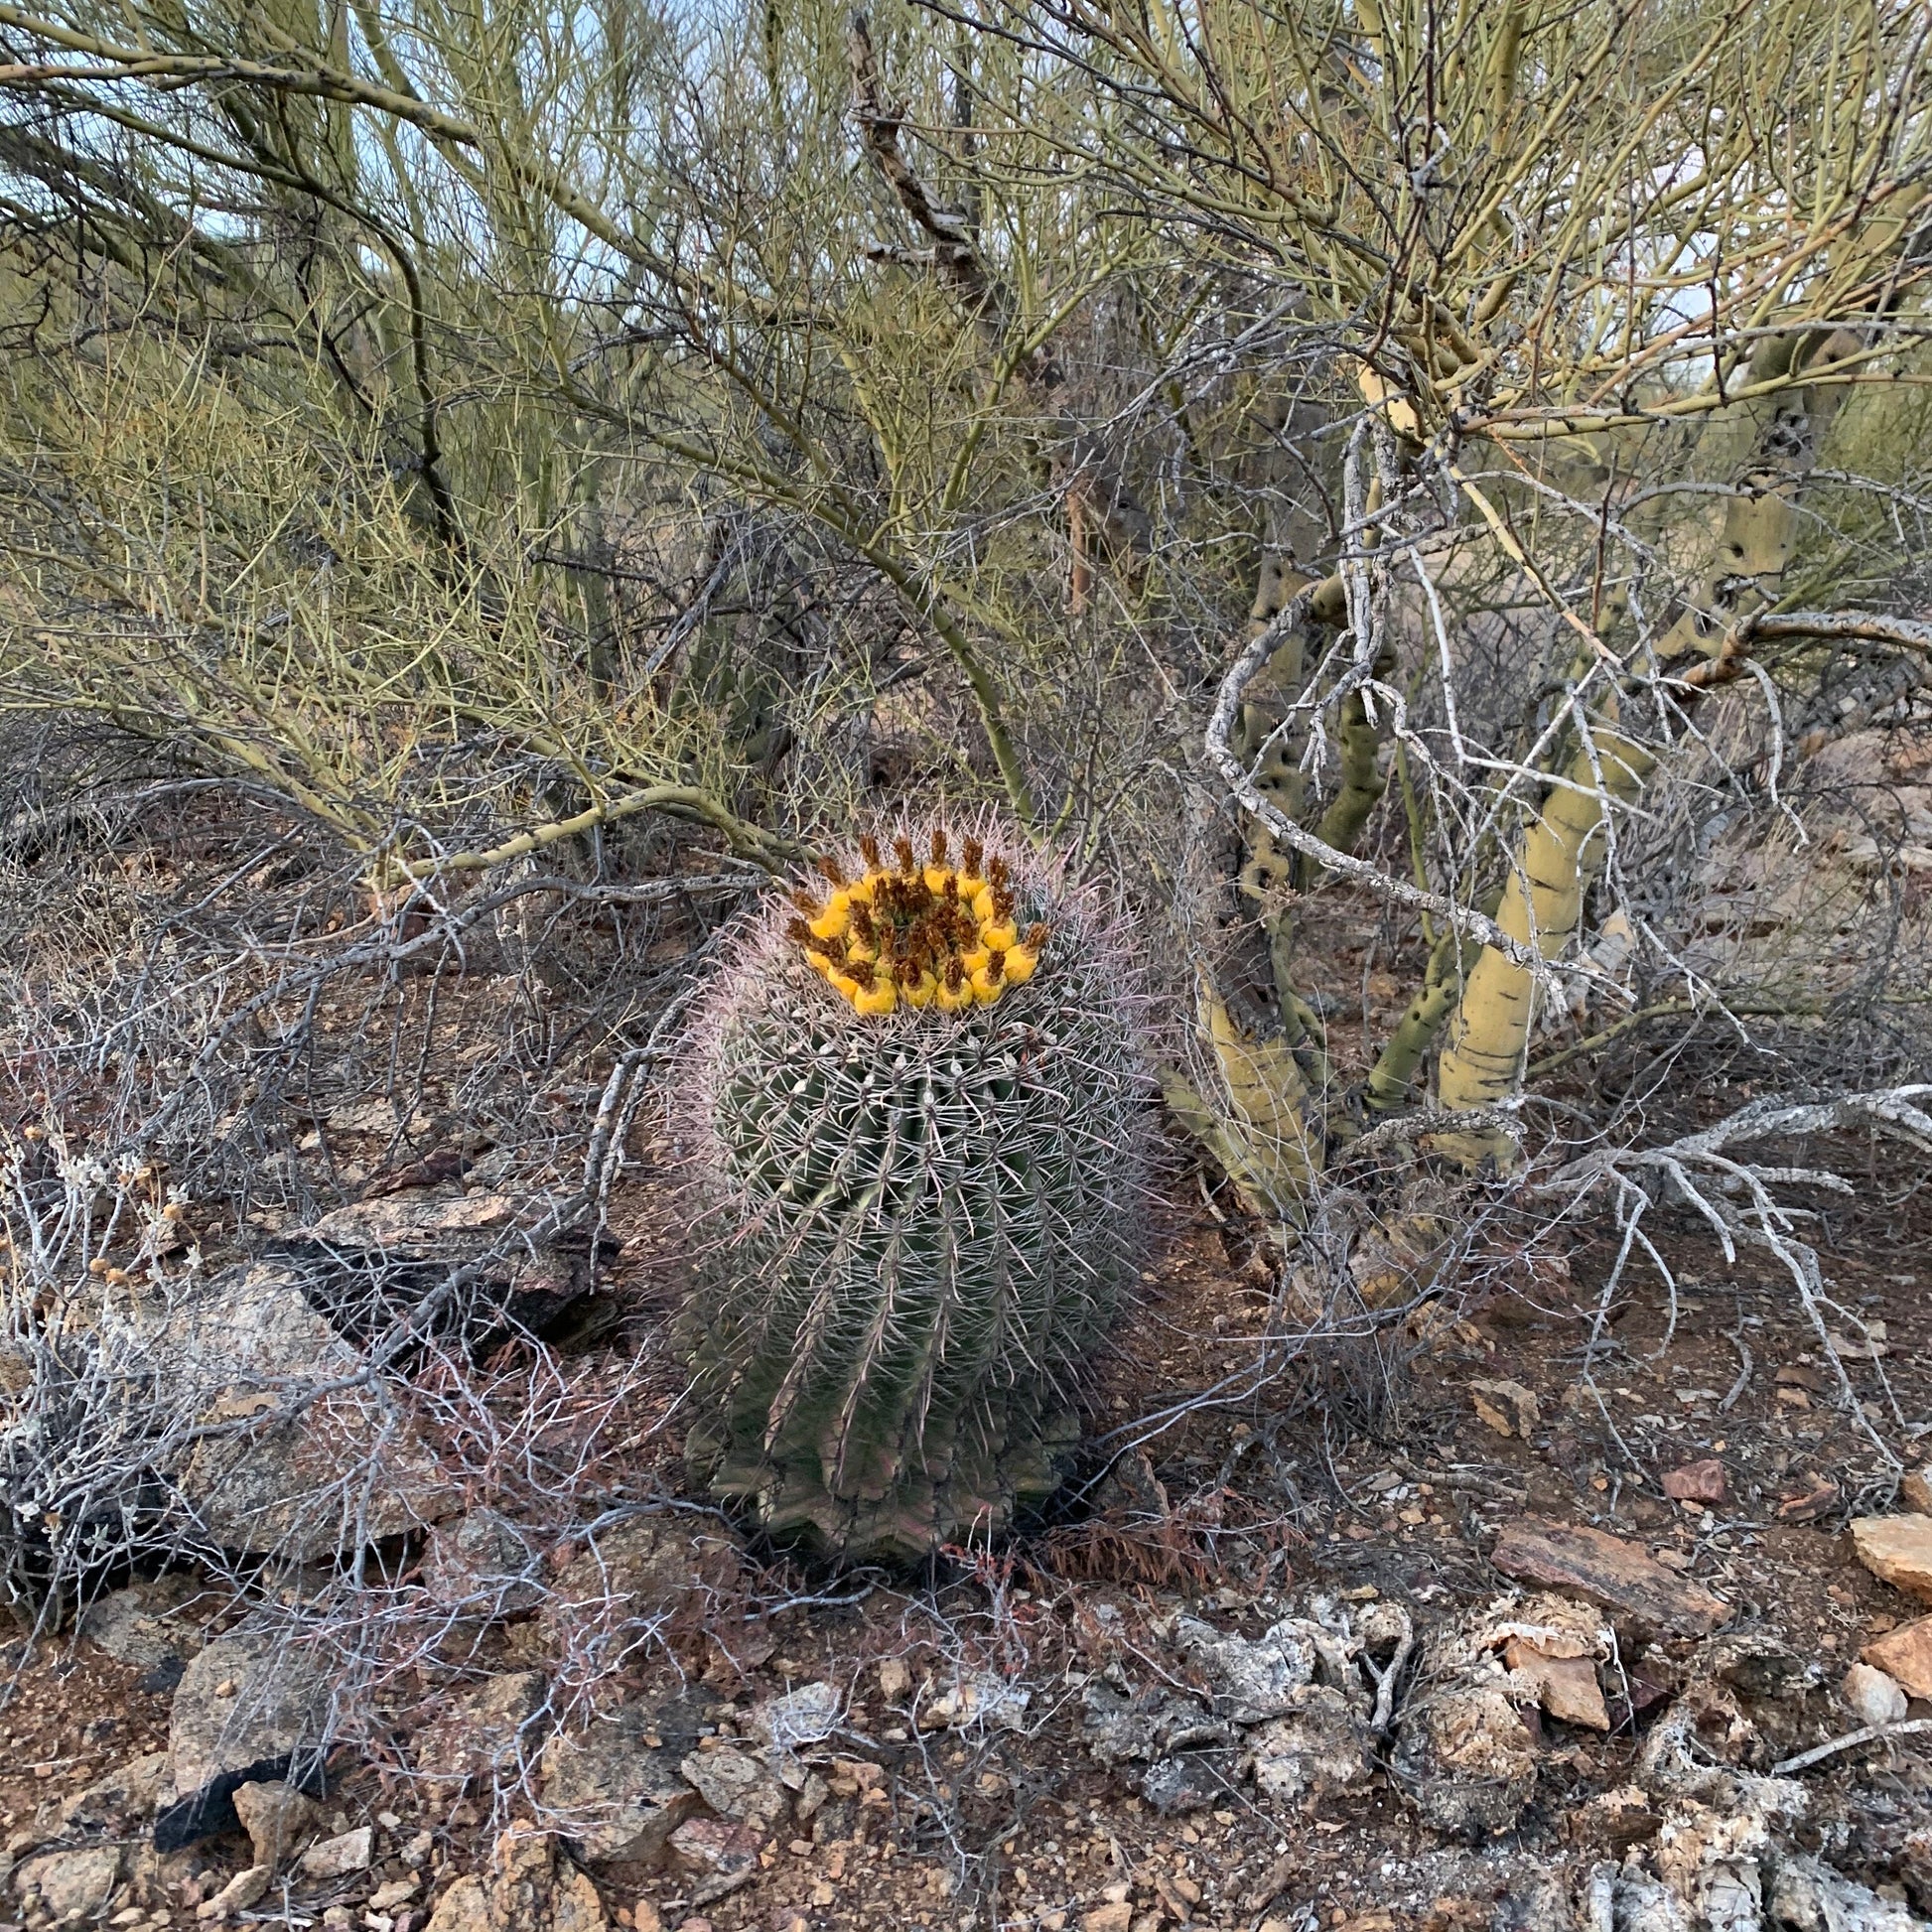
[(930, 934)]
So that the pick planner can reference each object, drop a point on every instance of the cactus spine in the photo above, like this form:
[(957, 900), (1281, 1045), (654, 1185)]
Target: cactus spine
[(915, 1109)]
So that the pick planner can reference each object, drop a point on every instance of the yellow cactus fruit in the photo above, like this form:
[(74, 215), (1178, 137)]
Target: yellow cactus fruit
[(837, 916), (877, 998), (919, 992), (989, 980)]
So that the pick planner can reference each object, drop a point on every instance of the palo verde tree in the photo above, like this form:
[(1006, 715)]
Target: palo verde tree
[(473, 427)]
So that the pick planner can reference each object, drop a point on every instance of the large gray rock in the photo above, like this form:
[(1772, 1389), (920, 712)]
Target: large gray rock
[(620, 1780), (304, 1481), (62, 1882), (481, 1565), (149, 1623), (368, 1261), (480, 1729), (659, 1567), (122, 1800), (248, 1710)]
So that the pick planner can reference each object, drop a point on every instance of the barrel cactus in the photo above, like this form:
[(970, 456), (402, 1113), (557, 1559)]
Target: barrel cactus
[(916, 1114)]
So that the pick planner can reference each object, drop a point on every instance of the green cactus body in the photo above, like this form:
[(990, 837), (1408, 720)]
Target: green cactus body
[(917, 1230)]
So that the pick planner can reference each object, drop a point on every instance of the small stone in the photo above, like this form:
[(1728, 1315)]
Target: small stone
[(1873, 1697), (645, 1918), (465, 1907), (337, 1858), (1566, 1687), (1905, 1655), (276, 1818), (1915, 1492), (1508, 1408), (719, 1856), (237, 1894), (1115, 1917), (788, 1918), (625, 1789), (398, 1891), (1818, 1498), (894, 1680), (1696, 1482), (1897, 1549)]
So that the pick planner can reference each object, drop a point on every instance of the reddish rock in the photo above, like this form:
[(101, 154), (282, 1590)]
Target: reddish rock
[(1810, 1504), (1696, 1482), (1604, 1569), (717, 1854)]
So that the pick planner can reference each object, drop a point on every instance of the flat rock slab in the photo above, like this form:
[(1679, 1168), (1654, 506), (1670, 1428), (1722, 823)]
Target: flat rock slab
[(1905, 1654), (1605, 1570), (1897, 1549)]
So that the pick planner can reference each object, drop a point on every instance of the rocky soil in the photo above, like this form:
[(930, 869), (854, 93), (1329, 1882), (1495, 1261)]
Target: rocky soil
[(1505, 1649)]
